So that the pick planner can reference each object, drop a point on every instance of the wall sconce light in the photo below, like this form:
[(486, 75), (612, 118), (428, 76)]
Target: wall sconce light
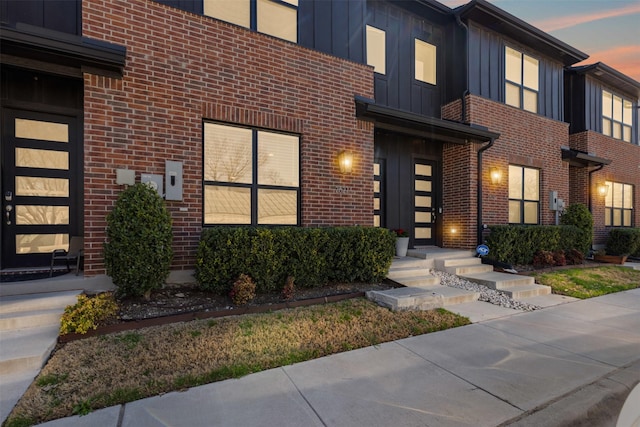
[(345, 160), (496, 175), (454, 230), (603, 190)]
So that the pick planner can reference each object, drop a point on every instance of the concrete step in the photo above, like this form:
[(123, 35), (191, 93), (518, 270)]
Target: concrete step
[(406, 262), (401, 272), (26, 349), (521, 292), (461, 270), (499, 281), (424, 280), (441, 264), (439, 253), (411, 298), (30, 319), (41, 301)]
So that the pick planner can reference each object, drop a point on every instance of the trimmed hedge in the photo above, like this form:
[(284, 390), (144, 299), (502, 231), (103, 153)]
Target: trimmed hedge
[(313, 256), (624, 241), (517, 244), (578, 214)]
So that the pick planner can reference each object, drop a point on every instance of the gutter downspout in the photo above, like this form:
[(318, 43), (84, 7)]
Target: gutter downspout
[(466, 92), (479, 190), (589, 185)]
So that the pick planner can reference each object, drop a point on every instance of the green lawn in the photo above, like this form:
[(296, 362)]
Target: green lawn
[(590, 282)]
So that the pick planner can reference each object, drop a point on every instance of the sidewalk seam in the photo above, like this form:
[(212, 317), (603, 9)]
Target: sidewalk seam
[(303, 397)]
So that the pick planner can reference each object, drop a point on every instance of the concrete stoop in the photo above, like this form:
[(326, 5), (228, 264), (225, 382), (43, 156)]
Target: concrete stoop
[(29, 326), (423, 298), (517, 287)]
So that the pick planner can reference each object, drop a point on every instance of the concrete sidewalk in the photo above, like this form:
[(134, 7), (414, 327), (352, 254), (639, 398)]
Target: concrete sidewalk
[(575, 362)]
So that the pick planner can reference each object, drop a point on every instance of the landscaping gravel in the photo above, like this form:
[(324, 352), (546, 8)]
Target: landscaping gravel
[(486, 294)]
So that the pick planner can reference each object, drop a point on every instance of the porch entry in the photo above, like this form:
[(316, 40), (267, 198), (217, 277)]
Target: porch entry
[(39, 182), (424, 209)]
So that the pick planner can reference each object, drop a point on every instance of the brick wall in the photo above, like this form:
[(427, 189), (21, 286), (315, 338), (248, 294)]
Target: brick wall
[(526, 139), (624, 168), (182, 68)]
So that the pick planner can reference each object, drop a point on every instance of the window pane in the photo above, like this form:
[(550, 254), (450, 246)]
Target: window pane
[(227, 154), (513, 64), (376, 203), (44, 159), (423, 201), (42, 215), (607, 217), (617, 195), (531, 184), (617, 130), (617, 108), (530, 72), (515, 183), (514, 212), (626, 218), (277, 207), (41, 243), (530, 212), (425, 62), (422, 185), (376, 220), (607, 102), (608, 199), (234, 11), (376, 186), (617, 217), (424, 170), (376, 45), (606, 127), (424, 217), (627, 114), (278, 158), (628, 197), (422, 233), (42, 187), (626, 133), (376, 169), (530, 101), (227, 205), (512, 95), (278, 20), (45, 131)]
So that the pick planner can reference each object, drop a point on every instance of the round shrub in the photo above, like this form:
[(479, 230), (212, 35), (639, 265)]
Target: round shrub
[(578, 215), (138, 253)]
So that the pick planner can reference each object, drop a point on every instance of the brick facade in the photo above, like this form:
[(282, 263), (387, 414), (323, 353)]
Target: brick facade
[(182, 68), (624, 168), (526, 139)]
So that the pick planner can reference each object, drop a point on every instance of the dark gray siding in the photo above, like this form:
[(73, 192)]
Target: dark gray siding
[(486, 71), (398, 88), (194, 6), (58, 15)]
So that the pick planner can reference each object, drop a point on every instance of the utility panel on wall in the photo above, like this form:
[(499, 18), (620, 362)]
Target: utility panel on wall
[(173, 179)]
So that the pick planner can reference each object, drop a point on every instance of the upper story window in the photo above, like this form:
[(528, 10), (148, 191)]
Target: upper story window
[(376, 49), (617, 116), (521, 85), (524, 195), (251, 176), (618, 211), (425, 70), (278, 18)]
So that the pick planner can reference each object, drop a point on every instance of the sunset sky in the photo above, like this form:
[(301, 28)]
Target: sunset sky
[(606, 30)]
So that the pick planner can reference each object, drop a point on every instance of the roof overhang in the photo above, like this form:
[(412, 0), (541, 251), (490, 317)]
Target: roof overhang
[(423, 126), (611, 77), (581, 159), (498, 20), (38, 48)]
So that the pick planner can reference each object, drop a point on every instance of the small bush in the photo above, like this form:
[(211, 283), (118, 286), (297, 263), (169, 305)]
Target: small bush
[(87, 313), (579, 216), (243, 290), (543, 259), (138, 253), (559, 258), (623, 241), (289, 288), (574, 257)]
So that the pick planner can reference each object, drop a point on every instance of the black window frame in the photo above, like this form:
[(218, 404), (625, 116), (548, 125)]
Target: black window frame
[(523, 200), (254, 186), (521, 86), (611, 119), (609, 211)]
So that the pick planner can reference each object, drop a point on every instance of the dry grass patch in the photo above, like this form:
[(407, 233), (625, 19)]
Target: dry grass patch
[(102, 371)]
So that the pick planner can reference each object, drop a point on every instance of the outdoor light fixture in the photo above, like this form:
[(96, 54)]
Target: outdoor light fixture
[(454, 230), (603, 189), (345, 160), (496, 175)]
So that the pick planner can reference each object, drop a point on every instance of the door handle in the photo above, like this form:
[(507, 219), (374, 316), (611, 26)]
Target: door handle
[(433, 216), (7, 210)]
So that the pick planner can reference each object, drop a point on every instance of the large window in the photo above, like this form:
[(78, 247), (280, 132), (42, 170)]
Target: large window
[(521, 85), (278, 18), (250, 176), (524, 195), (425, 67), (618, 205), (617, 116), (376, 49)]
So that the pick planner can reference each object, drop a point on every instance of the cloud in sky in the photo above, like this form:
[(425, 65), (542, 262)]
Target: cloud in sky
[(561, 22), (625, 59)]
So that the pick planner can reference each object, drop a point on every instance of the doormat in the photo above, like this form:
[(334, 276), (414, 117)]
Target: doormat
[(28, 275)]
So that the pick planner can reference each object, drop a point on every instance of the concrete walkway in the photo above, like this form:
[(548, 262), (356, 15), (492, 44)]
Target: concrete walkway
[(570, 363)]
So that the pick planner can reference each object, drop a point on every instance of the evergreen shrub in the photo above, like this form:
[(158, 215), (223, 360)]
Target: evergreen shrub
[(578, 215), (623, 241)]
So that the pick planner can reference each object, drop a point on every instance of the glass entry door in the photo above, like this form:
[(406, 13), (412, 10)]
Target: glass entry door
[(424, 231), (39, 186)]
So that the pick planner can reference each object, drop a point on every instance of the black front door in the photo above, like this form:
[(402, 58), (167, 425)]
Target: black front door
[(39, 182), (424, 206)]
